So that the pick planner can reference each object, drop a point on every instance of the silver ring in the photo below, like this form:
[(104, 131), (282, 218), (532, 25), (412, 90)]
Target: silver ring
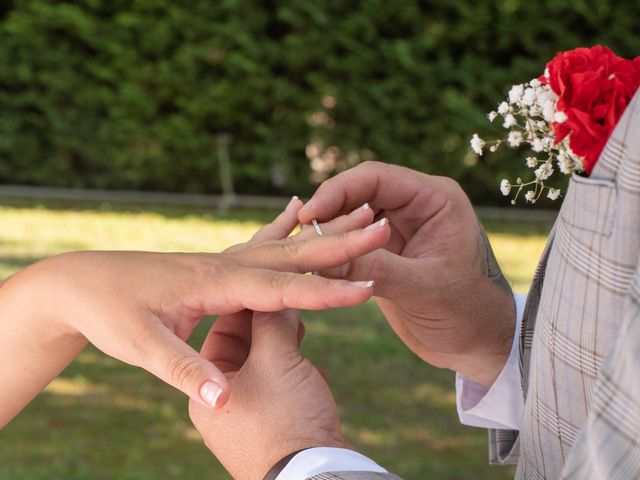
[(316, 226)]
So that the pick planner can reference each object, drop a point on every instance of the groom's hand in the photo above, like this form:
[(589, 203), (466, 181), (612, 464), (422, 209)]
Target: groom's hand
[(280, 402), (437, 280)]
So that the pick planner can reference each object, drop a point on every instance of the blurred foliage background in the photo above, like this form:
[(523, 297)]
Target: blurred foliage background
[(130, 94)]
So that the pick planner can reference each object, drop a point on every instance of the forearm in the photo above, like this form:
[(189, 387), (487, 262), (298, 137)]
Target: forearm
[(33, 348)]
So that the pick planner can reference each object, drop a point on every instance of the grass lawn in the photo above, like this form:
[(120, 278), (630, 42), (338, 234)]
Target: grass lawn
[(105, 420)]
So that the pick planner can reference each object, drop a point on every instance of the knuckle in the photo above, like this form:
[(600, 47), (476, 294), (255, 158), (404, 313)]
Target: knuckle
[(279, 280), (182, 370), (290, 247)]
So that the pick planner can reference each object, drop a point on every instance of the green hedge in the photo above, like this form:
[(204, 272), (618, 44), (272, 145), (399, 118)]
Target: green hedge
[(130, 93)]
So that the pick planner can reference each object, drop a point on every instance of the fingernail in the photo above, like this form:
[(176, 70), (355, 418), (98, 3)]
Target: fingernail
[(367, 284), (293, 199), (308, 205), (361, 209), (210, 392), (377, 225)]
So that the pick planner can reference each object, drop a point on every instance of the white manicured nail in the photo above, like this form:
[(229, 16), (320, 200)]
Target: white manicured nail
[(363, 208), (293, 199), (210, 392), (367, 284), (377, 225)]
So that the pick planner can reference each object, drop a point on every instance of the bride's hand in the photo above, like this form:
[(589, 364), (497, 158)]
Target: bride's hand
[(140, 307)]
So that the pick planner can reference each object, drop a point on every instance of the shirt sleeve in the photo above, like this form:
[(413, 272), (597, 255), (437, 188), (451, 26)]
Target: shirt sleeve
[(315, 461), (502, 405)]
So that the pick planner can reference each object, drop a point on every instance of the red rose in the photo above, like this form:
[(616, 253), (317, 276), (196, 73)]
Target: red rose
[(594, 87)]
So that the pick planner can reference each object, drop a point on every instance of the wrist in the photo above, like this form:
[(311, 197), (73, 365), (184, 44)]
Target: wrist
[(484, 364), (40, 295)]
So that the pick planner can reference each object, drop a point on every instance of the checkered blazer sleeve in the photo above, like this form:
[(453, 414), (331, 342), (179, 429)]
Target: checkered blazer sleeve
[(355, 476), (608, 445)]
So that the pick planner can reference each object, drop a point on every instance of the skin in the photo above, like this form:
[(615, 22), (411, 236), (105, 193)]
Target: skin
[(437, 280), (273, 411), (141, 307)]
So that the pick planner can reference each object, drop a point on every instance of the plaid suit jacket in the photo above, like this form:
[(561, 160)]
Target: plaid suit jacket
[(580, 338)]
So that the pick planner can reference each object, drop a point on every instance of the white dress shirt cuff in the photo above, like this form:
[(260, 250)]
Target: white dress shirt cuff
[(502, 405), (315, 461)]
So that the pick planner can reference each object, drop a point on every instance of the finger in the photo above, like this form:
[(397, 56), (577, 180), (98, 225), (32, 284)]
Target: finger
[(228, 343), (282, 226), (271, 291), (277, 329), (359, 218), (179, 365), (384, 186), (316, 253), (394, 276)]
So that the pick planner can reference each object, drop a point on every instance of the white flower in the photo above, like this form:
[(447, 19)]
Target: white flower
[(530, 196), (560, 117), (547, 75), (515, 138), (477, 144), (549, 110), (515, 94), (529, 96), (564, 162), (535, 83), (492, 116), (503, 108), (544, 171), (554, 193), (509, 121), (532, 162), (537, 145), (505, 187)]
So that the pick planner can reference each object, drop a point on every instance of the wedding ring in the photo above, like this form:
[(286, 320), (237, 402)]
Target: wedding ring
[(316, 226)]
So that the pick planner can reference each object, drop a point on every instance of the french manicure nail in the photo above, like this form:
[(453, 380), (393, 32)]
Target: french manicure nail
[(367, 284), (360, 209), (210, 392), (293, 199), (377, 225)]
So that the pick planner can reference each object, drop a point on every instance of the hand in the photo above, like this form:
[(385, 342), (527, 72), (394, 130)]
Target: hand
[(280, 402), (437, 280), (140, 307)]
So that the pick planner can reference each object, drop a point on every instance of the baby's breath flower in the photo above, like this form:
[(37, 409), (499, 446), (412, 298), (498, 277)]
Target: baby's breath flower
[(530, 196), (503, 108), (509, 121), (529, 96), (544, 171), (553, 194), (559, 117), (505, 187), (532, 162), (477, 144), (515, 94), (515, 138), (492, 116), (564, 163), (549, 110), (537, 145), (535, 83)]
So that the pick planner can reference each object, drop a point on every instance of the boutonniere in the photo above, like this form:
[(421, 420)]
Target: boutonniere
[(566, 116)]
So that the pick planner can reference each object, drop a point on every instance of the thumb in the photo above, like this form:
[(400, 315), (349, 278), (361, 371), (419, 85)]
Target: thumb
[(179, 365), (395, 276), (277, 331)]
